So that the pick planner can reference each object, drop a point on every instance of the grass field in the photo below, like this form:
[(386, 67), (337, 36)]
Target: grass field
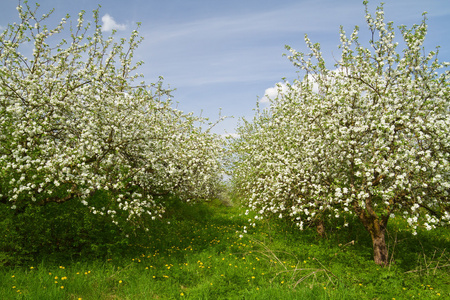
[(197, 254)]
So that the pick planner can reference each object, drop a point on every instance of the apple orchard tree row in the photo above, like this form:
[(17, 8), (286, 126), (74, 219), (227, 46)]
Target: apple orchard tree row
[(73, 124), (370, 138)]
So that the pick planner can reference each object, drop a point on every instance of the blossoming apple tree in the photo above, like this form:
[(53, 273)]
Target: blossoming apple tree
[(74, 122), (370, 138)]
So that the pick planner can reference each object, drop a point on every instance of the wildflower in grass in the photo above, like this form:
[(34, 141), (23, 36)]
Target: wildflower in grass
[(62, 287), (181, 294), (120, 281)]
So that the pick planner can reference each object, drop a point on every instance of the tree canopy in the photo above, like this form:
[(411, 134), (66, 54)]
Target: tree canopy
[(75, 121), (369, 138)]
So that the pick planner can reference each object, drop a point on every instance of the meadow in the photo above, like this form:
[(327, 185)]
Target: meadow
[(197, 253)]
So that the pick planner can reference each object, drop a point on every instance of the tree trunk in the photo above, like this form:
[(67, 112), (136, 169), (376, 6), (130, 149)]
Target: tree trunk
[(320, 227), (377, 228), (380, 251)]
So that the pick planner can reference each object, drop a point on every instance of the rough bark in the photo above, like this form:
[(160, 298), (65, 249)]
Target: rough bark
[(320, 227), (376, 226), (380, 251), (377, 229)]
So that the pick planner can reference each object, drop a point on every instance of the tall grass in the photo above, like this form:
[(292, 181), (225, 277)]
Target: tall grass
[(197, 254)]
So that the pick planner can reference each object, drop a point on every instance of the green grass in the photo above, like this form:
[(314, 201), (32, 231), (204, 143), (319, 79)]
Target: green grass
[(197, 254)]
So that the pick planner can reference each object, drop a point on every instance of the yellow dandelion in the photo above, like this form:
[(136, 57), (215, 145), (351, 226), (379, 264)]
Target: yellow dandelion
[(181, 294), (62, 287)]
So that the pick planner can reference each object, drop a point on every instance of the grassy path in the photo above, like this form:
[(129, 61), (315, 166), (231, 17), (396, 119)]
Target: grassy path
[(197, 254)]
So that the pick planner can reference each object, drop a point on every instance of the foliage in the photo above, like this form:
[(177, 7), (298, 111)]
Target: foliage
[(369, 138), (59, 231), (75, 125)]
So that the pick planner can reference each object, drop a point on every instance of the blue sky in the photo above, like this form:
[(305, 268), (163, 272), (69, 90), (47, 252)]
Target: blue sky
[(225, 54)]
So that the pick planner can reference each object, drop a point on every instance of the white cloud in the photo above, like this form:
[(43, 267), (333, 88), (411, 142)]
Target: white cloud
[(233, 135), (273, 92), (109, 24), (281, 88)]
